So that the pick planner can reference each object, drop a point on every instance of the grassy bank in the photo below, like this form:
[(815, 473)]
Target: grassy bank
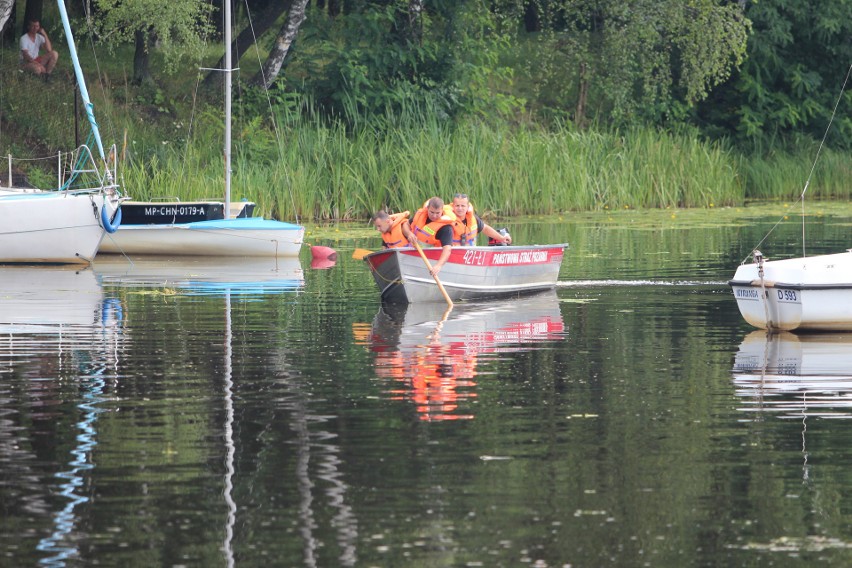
[(316, 169)]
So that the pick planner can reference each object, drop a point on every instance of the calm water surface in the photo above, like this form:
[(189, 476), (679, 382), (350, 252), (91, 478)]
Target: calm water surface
[(211, 413)]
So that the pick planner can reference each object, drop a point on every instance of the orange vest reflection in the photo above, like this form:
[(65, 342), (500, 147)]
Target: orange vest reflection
[(433, 363)]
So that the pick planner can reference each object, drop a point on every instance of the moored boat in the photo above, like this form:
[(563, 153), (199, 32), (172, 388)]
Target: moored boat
[(206, 228), (805, 293), (251, 236), (54, 227), (65, 225), (470, 273)]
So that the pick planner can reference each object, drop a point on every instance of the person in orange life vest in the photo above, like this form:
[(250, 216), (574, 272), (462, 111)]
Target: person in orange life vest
[(434, 227), (470, 224), (392, 228)]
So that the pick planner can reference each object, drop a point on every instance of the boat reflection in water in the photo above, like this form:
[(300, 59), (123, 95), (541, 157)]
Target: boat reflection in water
[(203, 275), (59, 335), (51, 299), (431, 354), (796, 375), (226, 277)]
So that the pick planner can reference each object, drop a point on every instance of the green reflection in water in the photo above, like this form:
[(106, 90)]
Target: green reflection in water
[(617, 439)]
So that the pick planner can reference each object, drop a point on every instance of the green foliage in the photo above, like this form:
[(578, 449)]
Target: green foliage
[(642, 61), (798, 59), (368, 63), (179, 31), (331, 170)]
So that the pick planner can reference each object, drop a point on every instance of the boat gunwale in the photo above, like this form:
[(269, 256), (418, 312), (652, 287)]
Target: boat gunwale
[(776, 284)]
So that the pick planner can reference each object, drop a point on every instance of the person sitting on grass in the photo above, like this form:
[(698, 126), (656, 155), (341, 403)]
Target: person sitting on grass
[(31, 58)]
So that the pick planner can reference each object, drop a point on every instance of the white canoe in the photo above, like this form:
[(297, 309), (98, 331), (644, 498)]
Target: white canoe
[(808, 293), (470, 273)]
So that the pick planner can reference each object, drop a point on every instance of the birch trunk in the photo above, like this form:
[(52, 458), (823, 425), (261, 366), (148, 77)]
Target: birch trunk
[(415, 20), (282, 45), (245, 40), (6, 7)]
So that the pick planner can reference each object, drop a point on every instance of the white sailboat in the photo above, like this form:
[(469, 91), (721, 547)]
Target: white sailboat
[(64, 226), (803, 293), (205, 228)]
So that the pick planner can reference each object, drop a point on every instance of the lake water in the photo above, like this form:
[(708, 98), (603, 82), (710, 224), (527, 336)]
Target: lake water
[(204, 413)]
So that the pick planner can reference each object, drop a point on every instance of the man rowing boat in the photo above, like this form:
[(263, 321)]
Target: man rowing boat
[(433, 226)]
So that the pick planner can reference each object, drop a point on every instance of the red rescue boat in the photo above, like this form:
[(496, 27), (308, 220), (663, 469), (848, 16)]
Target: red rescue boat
[(470, 273)]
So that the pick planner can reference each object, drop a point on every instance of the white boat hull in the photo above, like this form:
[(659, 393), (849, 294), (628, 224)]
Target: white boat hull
[(810, 293), (255, 237), (44, 227), (470, 273)]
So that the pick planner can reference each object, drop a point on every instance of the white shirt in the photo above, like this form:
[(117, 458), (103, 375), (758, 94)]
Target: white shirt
[(31, 46)]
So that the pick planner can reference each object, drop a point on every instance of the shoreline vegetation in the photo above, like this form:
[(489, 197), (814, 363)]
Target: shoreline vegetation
[(315, 169)]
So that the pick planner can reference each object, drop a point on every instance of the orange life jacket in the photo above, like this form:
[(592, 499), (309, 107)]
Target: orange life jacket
[(394, 238), (465, 230), (425, 230)]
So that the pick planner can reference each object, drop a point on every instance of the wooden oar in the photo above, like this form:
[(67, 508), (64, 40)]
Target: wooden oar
[(359, 254), (435, 276)]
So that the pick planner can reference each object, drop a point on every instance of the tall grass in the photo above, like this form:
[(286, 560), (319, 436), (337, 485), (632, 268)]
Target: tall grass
[(782, 174), (324, 171)]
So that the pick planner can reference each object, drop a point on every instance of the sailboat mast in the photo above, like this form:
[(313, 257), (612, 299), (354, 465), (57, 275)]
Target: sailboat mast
[(228, 71), (81, 82)]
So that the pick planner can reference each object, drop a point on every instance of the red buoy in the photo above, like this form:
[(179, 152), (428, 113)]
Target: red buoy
[(323, 253)]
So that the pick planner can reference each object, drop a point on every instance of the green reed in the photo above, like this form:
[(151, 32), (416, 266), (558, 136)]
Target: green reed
[(784, 174), (324, 171)]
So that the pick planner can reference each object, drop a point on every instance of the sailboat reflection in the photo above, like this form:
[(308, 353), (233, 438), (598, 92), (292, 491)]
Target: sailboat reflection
[(210, 276), (796, 375), (203, 275), (48, 300), (56, 327), (431, 355)]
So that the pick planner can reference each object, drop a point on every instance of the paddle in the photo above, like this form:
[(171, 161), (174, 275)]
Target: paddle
[(359, 254), (435, 276)]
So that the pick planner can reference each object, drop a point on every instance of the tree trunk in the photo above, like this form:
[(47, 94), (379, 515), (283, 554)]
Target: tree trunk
[(582, 95), (532, 20), (141, 61), (32, 12), (246, 39), (333, 7), (415, 21), (282, 45), (7, 17)]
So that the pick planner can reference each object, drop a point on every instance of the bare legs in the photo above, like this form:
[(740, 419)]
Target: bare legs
[(43, 63)]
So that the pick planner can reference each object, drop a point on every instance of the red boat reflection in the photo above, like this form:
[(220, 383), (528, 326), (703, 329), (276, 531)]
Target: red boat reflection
[(430, 355)]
